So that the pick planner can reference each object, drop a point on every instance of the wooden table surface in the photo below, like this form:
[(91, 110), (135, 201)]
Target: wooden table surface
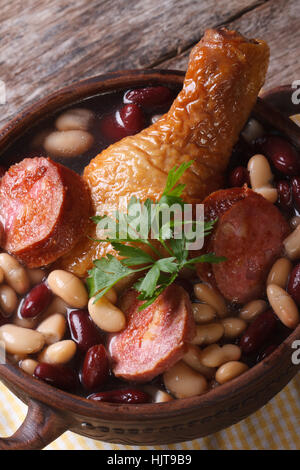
[(45, 45)]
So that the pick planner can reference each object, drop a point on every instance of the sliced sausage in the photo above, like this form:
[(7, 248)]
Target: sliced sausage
[(154, 338), (220, 201), (250, 235), (44, 210), (215, 205)]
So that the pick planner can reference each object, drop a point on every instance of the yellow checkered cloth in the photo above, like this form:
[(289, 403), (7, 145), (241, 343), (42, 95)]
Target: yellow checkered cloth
[(276, 426)]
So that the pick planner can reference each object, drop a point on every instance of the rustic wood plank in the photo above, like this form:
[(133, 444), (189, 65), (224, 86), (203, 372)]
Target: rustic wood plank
[(46, 45), (277, 23)]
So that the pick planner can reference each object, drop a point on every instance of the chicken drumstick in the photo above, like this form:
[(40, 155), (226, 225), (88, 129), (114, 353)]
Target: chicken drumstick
[(224, 76)]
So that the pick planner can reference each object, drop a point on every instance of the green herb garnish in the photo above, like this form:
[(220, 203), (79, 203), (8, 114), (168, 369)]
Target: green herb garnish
[(166, 241)]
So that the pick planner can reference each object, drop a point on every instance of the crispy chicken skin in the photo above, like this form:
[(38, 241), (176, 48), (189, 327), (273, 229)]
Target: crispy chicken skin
[(224, 76)]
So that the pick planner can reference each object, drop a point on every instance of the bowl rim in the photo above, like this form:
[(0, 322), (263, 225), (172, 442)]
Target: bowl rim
[(275, 90), (64, 401), (68, 402)]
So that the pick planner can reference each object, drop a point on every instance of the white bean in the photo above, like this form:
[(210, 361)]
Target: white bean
[(252, 309), (208, 334), (261, 177), (158, 396), (203, 313), (252, 130), (14, 274), (192, 358), (68, 143), (283, 305), (58, 353), (20, 340), (28, 366), (230, 370), (8, 300), (76, 118), (162, 397), (107, 316), (183, 382), (69, 287), (233, 327), (211, 297), (280, 272), (215, 355), (292, 244), (53, 328), (270, 194), (260, 172)]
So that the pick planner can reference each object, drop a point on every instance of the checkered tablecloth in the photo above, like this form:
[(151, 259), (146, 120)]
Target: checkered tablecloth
[(276, 426)]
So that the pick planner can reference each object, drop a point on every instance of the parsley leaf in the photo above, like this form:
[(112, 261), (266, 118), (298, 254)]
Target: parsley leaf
[(173, 177), (105, 274), (148, 284), (133, 256)]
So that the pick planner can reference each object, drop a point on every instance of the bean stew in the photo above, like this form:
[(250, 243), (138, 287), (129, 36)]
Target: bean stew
[(54, 332)]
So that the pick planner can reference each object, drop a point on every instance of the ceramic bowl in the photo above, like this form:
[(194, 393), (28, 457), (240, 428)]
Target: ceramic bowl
[(52, 411)]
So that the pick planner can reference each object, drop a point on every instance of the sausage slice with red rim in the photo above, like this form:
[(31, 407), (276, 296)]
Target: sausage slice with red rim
[(154, 338), (215, 205), (250, 235), (44, 210)]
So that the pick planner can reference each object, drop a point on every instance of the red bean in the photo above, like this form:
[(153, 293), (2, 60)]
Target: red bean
[(127, 121), (95, 369), (238, 177), (83, 330), (149, 97), (258, 332), (285, 199), (2, 171), (282, 154), (59, 376), (36, 301), (131, 118), (110, 129), (266, 352), (296, 192), (128, 396), (293, 286)]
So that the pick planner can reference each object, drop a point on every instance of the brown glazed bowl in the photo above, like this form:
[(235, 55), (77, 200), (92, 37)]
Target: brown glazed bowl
[(52, 411)]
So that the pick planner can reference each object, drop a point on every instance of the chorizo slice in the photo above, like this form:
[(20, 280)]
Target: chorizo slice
[(44, 210), (220, 201), (250, 235), (155, 338), (215, 205)]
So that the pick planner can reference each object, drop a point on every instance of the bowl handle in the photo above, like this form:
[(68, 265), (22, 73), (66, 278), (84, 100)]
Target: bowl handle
[(41, 426)]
